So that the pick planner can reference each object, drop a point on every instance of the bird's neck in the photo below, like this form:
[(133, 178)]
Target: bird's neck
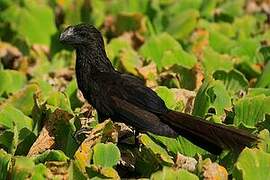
[(93, 59)]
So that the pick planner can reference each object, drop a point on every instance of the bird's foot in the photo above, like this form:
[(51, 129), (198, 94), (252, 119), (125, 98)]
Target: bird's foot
[(82, 134)]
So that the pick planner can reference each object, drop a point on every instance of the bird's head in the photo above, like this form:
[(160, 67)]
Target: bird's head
[(81, 35)]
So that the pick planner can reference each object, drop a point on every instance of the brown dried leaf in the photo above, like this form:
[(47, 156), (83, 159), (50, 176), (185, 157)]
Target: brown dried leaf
[(46, 138), (185, 162), (58, 169), (213, 171), (149, 73), (10, 56), (199, 75), (186, 96)]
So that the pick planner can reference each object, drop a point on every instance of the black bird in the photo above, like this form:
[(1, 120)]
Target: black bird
[(125, 98)]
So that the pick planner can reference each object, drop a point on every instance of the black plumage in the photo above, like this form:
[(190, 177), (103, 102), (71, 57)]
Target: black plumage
[(125, 98)]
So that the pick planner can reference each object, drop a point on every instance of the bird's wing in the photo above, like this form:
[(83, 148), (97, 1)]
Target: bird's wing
[(140, 118), (135, 92)]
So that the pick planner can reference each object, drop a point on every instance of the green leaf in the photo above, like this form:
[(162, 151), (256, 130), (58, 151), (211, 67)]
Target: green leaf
[(130, 61), (23, 99), (245, 26), (10, 115), (59, 100), (250, 110), (247, 49), (4, 164), (252, 164), (23, 168), (40, 172), (233, 8), (219, 97), (182, 24), (213, 61), (164, 50), (167, 96), (170, 173), (156, 149), (106, 155), (115, 46), (258, 91), (233, 80), (97, 173), (179, 144), (32, 20), (264, 79), (71, 91), (11, 81), (202, 100), (211, 94), (130, 22), (74, 172), (264, 143), (50, 155), (217, 41)]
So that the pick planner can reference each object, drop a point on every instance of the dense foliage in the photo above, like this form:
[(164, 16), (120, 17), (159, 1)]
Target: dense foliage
[(209, 58)]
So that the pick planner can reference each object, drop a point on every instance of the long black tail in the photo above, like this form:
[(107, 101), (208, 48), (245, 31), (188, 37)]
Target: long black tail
[(210, 136)]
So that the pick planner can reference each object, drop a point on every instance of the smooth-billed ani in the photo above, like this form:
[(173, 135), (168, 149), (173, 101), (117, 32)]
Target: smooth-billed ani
[(125, 98)]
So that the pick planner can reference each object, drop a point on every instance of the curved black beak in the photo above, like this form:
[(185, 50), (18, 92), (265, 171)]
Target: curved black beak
[(67, 35)]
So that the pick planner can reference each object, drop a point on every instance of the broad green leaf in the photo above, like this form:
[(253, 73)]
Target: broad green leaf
[(167, 96), (247, 50), (179, 144), (59, 100), (74, 172), (182, 24), (219, 97), (40, 172), (213, 61), (50, 155), (115, 46), (130, 22), (23, 99), (71, 91), (106, 155), (202, 100), (32, 20), (264, 79), (128, 6), (130, 60), (164, 50), (218, 40), (23, 168), (97, 173), (252, 164), (208, 8), (232, 8), (233, 80), (170, 173), (211, 94), (250, 110), (177, 7), (264, 143), (258, 91), (245, 26), (10, 115), (4, 164), (11, 81), (156, 149)]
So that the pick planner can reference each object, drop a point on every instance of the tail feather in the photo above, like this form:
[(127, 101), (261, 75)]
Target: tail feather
[(210, 136)]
